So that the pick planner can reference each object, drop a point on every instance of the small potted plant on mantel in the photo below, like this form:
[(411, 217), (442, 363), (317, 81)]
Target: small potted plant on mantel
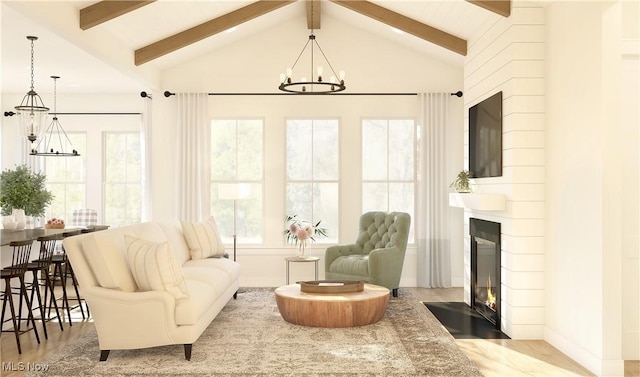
[(23, 192), (461, 183)]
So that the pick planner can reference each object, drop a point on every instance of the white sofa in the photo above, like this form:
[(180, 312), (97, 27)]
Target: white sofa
[(127, 316)]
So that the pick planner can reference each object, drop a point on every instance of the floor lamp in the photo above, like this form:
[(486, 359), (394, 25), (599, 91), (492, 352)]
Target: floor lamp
[(234, 191)]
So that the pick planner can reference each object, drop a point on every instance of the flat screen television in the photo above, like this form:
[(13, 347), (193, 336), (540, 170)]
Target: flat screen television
[(485, 137)]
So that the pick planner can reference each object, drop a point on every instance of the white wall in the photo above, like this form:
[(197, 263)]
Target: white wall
[(586, 208), (630, 117)]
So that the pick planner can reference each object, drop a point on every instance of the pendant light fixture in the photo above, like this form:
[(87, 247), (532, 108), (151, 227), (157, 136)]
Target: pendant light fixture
[(32, 113), (335, 83), (55, 142)]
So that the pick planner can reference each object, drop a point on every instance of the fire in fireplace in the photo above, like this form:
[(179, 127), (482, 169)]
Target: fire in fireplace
[(485, 269)]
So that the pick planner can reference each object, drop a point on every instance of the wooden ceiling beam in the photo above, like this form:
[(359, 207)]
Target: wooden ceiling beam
[(501, 7), (104, 11), (314, 8), (406, 24), (207, 29)]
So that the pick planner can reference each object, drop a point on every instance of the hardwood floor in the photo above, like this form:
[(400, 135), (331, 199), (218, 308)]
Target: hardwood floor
[(508, 357), (495, 357)]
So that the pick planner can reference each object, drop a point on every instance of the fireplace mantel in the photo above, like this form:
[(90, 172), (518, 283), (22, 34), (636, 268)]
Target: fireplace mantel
[(477, 201)]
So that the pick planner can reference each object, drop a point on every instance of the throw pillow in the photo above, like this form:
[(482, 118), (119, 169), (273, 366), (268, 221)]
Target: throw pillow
[(154, 267), (203, 238)]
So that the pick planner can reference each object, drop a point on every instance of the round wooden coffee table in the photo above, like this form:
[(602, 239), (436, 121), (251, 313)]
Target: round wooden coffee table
[(332, 310)]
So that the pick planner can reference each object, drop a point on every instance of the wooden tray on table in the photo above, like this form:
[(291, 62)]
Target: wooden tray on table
[(331, 286)]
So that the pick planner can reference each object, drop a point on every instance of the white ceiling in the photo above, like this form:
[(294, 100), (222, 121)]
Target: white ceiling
[(101, 59)]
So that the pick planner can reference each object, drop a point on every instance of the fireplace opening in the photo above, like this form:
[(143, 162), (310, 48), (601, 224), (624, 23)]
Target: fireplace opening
[(485, 269)]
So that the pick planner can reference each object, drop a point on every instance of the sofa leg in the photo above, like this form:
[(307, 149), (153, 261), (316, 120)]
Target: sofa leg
[(187, 351), (394, 292), (235, 295), (104, 354)]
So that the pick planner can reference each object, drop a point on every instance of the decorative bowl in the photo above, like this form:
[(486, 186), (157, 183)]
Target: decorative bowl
[(10, 225), (54, 226)]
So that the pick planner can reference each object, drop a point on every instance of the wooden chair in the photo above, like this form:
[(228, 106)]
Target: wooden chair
[(42, 265), (63, 271), (17, 270)]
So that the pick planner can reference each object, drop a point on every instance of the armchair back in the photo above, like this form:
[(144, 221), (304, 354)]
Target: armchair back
[(383, 230)]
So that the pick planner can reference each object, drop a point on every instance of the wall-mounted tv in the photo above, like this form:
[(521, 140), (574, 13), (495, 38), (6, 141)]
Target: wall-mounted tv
[(485, 137)]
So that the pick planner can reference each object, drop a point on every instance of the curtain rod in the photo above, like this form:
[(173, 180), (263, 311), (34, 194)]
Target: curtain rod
[(169, 94), (11, 113)]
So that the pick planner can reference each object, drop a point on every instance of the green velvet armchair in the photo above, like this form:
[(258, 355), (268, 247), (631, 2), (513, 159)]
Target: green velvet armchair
[(377, 255)]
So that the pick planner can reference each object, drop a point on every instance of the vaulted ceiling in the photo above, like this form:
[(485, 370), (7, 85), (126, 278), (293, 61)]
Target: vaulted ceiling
[(155, 35)]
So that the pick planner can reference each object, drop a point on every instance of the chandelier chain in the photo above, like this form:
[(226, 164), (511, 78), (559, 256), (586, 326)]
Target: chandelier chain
[(32, 65)]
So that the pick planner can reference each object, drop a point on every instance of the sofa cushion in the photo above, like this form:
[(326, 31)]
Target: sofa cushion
[(105, 254), (203, 238), (222, 266), (203, 295), (155, 267)]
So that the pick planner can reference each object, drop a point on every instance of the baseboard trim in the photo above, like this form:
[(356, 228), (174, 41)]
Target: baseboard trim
[(583, 357)]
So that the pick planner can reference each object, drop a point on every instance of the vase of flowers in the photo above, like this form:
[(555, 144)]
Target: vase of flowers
[(299, 232)]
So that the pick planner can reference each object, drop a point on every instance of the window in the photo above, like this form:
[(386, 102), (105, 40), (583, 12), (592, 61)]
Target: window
[(122, 178), (237, 157), (107, 177), (313, 173), (66, 179), (388, 166)]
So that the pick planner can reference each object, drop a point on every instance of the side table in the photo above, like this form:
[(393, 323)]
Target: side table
[(302, 259)]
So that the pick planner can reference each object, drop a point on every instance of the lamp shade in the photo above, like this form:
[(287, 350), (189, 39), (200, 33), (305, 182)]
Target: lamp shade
[(233, 191)]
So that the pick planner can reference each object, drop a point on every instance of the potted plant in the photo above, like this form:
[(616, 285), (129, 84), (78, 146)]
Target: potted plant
[(24, 189), (461, 183)]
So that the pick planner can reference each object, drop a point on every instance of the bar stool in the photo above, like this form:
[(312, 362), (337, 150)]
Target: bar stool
[(18, 268), (42, 265), (63, 271)]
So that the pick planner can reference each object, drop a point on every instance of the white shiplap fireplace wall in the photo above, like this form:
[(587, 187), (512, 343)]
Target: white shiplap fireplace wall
[(509, 57)]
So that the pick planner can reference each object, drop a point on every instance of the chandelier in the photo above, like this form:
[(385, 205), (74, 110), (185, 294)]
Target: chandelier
[(316, 84), (55, 141), (32, 113), (319, 85)]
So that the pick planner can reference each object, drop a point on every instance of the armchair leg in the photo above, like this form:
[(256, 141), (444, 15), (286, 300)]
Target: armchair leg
[(394, 292), (104, 354), (187, 351)]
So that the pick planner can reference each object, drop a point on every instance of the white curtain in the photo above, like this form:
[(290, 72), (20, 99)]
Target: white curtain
[(193, 159), (432, 225), (145, 138)]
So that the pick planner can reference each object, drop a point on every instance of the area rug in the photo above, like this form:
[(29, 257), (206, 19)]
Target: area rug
[(250, 338)]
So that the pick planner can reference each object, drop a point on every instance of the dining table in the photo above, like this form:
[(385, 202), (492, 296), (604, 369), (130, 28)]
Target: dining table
[(9, 235)]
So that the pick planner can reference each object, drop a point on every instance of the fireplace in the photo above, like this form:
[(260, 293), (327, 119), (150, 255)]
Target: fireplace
[(485, 269)]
